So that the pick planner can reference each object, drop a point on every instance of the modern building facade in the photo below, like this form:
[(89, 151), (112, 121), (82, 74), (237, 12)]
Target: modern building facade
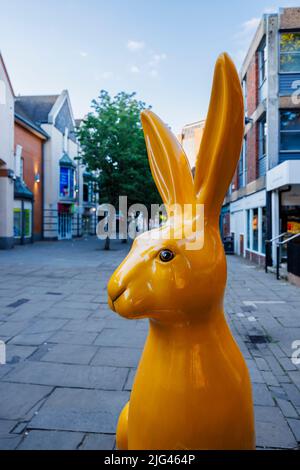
[(29, 141), (6, 158), (190, 139), (264, 199)]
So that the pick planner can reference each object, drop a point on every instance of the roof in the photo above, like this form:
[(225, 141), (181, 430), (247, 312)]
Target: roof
[(35, 108), (21, 191), (27, 123), (65, 160)]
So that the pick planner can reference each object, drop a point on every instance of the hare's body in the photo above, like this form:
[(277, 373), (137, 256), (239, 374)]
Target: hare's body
[(205, 401), (192, 387)]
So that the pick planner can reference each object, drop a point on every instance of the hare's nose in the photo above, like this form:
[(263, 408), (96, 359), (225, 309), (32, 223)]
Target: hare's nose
[(115, 288)]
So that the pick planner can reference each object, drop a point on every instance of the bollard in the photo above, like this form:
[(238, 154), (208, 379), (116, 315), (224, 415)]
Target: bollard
[(192, 388)]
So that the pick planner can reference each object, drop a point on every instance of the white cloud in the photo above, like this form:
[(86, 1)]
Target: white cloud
[(106, 75), (154, 73), (156, 59), (248, 27), (83, 54), (134, 46), (134, 69)]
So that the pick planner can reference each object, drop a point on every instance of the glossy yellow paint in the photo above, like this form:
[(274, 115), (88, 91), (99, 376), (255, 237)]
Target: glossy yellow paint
[(192, 387)]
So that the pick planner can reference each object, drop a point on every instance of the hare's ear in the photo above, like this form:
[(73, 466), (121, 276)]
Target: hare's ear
[(169, 165), (222, 138)]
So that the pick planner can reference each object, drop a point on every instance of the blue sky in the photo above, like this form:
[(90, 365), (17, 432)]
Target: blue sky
[(164, 50)]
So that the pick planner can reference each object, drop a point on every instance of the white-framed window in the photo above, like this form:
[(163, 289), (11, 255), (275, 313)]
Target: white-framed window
[(262, 69), (256, 229), (290, 52)]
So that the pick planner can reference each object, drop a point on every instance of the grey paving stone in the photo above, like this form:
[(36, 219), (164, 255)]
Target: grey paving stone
[(121, 338), (81, 410), (293, 393), (287, 408), (130, 380), (15, 353), (262, 364), (261, 395), (9, 441), (51, 440), (35, 339), (44, 326), (70, 353), (10, 328), (98, 442), (65, 313), (69, 337), (295, 426), (269, 378), (18, 399), (118, 357), (85, 325), (69, 375)]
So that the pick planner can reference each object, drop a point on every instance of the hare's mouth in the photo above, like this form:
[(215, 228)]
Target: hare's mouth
[(119, 295)]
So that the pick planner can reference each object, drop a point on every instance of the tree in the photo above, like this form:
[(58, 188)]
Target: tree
[(112, 141)]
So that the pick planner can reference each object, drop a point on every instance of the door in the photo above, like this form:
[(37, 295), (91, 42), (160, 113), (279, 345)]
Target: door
[(64, 226)]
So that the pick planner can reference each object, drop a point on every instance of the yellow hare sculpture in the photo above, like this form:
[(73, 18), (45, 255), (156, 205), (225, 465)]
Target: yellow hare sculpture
[(192, 387)]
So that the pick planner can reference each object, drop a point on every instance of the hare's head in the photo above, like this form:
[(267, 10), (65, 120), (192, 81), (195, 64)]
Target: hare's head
[(178, 271)]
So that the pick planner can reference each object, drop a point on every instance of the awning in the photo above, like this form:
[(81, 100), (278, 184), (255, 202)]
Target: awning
[(286, 173)]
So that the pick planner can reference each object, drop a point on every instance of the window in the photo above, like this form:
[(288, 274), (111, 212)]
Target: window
[(20, 218), (255, 230), (22, 168), (242, 168), (244, 85), (241, 171), (262, 147), (262, 69), (66, 182), (290, 52), (17, 223), (290, 131)]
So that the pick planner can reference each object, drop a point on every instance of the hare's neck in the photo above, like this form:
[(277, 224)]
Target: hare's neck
[(190, 333)]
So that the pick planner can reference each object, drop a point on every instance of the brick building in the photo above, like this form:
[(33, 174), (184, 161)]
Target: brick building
[(28, 205), (190, 139), (264, 198)]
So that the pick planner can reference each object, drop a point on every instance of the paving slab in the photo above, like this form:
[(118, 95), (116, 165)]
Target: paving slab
[(69, 375), (81, 410), (51, 440)]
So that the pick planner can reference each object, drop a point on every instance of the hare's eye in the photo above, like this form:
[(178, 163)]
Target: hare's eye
[(166, 255)]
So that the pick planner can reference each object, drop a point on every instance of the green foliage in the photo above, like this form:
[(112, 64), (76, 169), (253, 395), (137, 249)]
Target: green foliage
[(112, 140)]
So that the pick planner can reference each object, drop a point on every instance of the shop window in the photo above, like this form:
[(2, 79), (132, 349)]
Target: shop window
[(66, 182), (22, 219), (255, 230), (290, 131), (290, 52)]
